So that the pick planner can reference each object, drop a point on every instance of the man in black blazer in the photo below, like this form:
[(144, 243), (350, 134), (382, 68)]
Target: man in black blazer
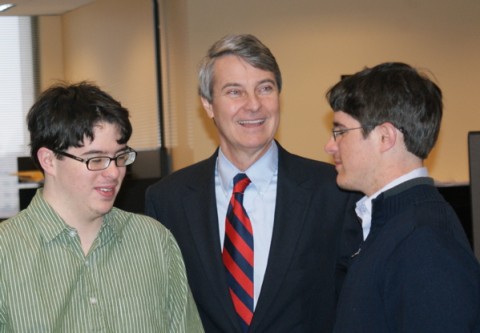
[(304, 226)]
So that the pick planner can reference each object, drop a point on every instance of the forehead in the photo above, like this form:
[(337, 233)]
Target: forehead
[(234, 68), (341, 118)]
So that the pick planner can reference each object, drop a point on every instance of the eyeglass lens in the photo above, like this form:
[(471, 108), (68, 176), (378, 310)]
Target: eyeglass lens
[(100, 163)]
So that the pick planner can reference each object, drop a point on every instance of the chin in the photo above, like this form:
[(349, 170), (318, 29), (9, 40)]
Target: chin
[(343, 183), (104, 209), (340, 181)]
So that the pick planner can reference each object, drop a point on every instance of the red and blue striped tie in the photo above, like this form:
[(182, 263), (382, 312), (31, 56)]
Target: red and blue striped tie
[(238, 252)]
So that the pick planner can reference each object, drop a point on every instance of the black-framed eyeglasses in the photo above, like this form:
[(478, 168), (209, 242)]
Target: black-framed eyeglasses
[(98, 163), (339, 132)]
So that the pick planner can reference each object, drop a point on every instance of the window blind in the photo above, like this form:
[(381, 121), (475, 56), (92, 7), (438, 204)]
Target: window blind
[(17, 94)]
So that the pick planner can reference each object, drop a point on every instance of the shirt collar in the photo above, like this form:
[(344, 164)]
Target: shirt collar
[(51, 225), (260, 173), (364, 205), (115, 221)]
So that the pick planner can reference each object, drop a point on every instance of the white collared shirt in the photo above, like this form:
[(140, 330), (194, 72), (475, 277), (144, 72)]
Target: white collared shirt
[(258, 200), (364, 206)]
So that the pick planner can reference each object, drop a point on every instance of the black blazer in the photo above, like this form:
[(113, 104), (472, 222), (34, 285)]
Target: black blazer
[(315, 232)]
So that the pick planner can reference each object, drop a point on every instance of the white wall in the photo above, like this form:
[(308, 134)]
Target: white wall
[(111, 43), (315, 41)]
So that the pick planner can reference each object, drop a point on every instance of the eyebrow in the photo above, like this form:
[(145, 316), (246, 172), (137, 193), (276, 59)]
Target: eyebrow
[(228, 85), (104, 153), (234, 84), (268, 81)]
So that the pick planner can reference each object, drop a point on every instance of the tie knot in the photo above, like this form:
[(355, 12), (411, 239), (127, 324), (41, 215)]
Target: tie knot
[(240, 183)]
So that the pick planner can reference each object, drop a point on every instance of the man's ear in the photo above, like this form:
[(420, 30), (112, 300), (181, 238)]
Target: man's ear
[(207, 106), (388, 135), (46, 158)]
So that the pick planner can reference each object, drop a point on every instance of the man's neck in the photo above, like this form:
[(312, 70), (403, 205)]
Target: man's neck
[(87, 227), (243, 158)]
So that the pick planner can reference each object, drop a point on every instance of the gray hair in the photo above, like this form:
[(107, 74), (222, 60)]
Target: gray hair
[(245, 46)]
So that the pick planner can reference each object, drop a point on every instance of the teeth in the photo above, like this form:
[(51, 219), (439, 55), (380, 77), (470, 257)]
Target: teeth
[(106, 189), (245, 122)]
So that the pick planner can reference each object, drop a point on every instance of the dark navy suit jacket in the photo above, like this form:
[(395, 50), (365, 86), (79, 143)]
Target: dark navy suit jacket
[(315, 231)]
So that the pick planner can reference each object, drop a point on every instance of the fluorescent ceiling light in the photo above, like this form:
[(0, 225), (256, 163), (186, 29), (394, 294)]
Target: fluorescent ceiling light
[(6, 6)]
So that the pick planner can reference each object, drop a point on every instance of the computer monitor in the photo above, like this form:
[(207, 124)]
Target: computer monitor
[(474, 171)]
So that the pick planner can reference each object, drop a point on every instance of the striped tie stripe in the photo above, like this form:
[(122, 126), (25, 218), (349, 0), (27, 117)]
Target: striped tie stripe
[(241, 246), (238, 253)]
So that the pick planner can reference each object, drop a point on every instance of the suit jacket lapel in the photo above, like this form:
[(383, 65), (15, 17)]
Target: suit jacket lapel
[(204, 228), (290, 212)]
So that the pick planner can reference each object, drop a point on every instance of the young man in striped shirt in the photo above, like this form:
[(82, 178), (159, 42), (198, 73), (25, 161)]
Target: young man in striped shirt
[(71, 262)]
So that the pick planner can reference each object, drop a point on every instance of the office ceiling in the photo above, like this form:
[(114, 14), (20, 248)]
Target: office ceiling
[(41, 7)]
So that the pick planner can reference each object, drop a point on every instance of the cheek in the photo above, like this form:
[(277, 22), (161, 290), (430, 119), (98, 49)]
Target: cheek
[(273, 105), (274, 110), (76, 176), (122, 173), (350, 157)]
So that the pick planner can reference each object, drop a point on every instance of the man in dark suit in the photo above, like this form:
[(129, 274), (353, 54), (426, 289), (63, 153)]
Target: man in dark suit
[(303, 225)]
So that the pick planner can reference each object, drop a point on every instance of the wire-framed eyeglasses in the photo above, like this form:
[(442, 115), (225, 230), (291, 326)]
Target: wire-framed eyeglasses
[(339, 132), (98, 163)]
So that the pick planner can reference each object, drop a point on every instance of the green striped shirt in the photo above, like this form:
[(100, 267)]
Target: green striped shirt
[(132, 280)]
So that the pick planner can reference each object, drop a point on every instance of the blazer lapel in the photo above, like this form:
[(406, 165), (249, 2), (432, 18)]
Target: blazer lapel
[(205, 235), (290, 212)]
